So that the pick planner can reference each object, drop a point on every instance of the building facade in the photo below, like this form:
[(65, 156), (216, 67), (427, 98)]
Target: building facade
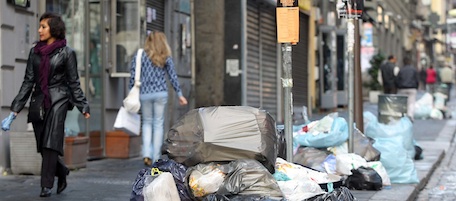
[(239, 58), (105, 36)]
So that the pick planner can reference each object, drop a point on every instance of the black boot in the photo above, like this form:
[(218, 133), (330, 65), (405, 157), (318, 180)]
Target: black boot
[(62, 184), (45, 192)]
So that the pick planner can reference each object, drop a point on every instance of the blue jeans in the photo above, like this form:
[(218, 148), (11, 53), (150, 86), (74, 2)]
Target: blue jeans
[(153, 117)]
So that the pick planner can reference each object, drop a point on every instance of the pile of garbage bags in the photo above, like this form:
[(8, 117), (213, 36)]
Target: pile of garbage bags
[(230, 153), (383, 154), (431, 106), (236, 153)]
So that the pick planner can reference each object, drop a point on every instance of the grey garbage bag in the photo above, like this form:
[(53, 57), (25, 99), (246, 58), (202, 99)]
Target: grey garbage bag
[(216, 197), (363, 146), (246, 177), (223, 133), (311, 157)]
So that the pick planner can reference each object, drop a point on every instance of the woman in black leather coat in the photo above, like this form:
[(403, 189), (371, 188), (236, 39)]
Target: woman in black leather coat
[(51, 77)]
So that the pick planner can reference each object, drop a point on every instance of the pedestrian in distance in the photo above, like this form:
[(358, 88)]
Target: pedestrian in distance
[(447, 77), (156, 63), (431, 79), (407, 83), (52, 80), (388, 72), (423, 76)]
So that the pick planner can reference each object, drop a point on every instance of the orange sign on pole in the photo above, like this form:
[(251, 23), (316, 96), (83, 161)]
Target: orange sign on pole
[(287, 24)]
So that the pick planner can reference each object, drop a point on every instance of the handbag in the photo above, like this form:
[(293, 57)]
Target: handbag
[(36, 109), (131, 102), (128, 122)]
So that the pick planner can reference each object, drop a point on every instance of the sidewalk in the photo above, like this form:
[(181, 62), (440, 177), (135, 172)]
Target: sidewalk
[(111, 179), (433, 152), (434, 137)]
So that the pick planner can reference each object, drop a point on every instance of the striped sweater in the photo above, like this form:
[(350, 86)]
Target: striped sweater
[(153, 78)]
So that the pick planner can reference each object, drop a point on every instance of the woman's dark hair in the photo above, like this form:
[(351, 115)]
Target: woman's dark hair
[(56, 24), (407, 61)]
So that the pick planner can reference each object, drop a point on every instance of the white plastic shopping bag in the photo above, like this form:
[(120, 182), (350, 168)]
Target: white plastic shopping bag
[(162, 187), (128, 122)]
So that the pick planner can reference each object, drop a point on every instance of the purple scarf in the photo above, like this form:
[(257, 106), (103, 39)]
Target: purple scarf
[(43, 49)]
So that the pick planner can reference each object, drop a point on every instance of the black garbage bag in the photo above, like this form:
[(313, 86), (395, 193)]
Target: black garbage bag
[(240, 177), (364, 178), (178, 171), (281, 142), (138, 185), (339, 194), (418, 153), (217, 197)]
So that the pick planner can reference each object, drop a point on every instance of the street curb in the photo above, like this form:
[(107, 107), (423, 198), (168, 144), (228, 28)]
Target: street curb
[(409, 192), (437, 174), (434, 153), (425, 165)]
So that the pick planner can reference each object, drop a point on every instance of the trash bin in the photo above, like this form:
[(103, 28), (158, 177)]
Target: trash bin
[(391, 107)]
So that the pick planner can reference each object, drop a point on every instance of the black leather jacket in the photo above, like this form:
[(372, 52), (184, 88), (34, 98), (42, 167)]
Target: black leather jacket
[(64, 90)]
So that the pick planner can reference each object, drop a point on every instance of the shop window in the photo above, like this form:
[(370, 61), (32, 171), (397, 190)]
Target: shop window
[(127, 36)]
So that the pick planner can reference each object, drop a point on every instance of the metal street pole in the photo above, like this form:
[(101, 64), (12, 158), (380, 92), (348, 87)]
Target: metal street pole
[(287, 84), (358, 107), (352, 10), (287, 33), (351, 84)]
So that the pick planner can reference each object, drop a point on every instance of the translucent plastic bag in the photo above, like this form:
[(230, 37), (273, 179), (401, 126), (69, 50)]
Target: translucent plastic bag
[(337, 135), (161, 187), (179, 172), (423, 106), (346, 162), (395, 143), (205, 179)]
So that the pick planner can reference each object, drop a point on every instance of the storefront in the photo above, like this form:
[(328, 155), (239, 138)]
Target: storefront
[(262, 70), (300, 64), (105, 36)]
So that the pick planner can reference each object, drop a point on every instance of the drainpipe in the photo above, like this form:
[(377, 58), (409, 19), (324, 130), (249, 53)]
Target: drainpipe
[(193, 57), (244, 52)]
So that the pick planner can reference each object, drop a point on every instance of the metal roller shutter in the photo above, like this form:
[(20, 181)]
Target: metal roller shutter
[(158, 7), (300, 64), (261, 57)]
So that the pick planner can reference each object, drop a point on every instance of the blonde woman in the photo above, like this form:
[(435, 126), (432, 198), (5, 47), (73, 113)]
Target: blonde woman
[(156, 62)]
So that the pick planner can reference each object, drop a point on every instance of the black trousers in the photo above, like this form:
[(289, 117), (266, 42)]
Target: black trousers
[(52, 166)]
